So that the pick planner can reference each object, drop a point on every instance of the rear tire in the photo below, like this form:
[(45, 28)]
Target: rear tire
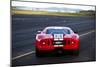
[(76, 52), (38, 54)]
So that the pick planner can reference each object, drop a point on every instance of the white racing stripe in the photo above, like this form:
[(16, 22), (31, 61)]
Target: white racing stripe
[(34, 51)]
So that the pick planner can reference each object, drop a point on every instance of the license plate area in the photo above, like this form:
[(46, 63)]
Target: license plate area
[(58, 43)]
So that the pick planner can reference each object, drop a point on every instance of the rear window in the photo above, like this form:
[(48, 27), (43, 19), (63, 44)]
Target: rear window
[(58, 31)]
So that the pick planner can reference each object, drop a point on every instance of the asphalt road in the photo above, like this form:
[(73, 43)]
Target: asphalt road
[(25, 27)]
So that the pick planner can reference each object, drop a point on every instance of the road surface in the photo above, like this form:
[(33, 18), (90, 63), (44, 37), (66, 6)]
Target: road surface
[(25, 27)]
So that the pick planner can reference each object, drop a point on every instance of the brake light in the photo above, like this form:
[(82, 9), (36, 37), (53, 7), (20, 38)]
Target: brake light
[(45, 42), (72, 42)]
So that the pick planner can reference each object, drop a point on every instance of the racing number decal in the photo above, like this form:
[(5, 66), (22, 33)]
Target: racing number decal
[(58, 36)]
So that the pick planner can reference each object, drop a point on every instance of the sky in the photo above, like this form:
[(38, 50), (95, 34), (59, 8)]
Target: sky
[(47, 5)]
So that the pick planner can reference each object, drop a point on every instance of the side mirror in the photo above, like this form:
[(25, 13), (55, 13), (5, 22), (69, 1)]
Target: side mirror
[(75, 32), (39, 31)]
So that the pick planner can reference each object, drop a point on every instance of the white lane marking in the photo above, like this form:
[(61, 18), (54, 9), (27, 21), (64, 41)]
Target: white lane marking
[(87, 33), (23, 55), (34, 51)]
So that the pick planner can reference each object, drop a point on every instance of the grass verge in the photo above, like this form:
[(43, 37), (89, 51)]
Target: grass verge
[(30, 12)]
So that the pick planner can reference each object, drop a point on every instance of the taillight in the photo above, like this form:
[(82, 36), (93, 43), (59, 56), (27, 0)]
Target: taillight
[(45, 42), (72, 42)]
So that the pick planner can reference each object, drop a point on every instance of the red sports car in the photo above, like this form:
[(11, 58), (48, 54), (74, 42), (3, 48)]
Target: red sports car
[(55, 38)]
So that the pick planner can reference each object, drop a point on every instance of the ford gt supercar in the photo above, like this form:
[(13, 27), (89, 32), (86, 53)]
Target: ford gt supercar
[(55, 38)]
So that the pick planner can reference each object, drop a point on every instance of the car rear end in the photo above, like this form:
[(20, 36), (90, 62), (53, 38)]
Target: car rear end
[(57, 42)]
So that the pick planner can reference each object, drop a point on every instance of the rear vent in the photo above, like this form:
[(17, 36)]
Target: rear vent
[(59, 42), (68, 42)]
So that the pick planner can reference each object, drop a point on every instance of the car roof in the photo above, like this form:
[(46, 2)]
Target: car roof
[(56, 27)]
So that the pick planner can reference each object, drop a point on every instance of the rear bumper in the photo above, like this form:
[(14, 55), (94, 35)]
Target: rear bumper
[(56, 49), (51, 47)]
